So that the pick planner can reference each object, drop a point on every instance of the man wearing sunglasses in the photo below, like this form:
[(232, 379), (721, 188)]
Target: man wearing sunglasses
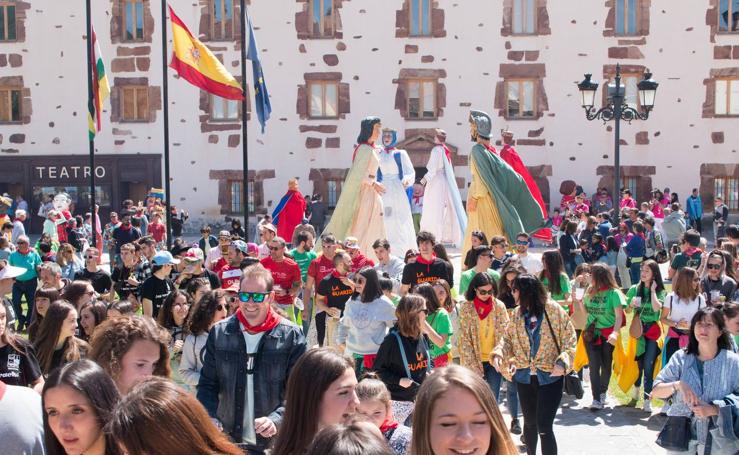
[(286, 276), (248, 359), (92, 272), (532, 264), (715, 283)]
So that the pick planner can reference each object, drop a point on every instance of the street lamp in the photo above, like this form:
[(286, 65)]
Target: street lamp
[(616, 109)]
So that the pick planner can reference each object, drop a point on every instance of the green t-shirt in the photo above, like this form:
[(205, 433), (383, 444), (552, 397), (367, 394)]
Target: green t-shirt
[(564, 286), (467, 275), (442, 323), (601, 307), (303, 260), (683, 260), (646, 312)]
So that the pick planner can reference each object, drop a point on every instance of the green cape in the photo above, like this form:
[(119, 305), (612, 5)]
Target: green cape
[(518, 209)]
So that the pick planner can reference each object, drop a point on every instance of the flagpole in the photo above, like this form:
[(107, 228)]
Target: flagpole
[(90, 102), (165, 100), (244, 130)]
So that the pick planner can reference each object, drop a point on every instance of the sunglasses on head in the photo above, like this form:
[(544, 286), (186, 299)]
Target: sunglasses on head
[(256, 297), (484, 291)]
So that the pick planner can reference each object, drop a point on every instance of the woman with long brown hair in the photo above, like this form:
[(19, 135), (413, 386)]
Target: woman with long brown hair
[(320, 392), (55, 343), (68, 261), (174, 422), (130, 349), (27, 371), (604, 302), (678, 309), (78, 293), (554, 278), (77, 401), (41, 301), (437, 326), (444, 295), (92, 314), (404, 359), (173, 316), (457, 411)]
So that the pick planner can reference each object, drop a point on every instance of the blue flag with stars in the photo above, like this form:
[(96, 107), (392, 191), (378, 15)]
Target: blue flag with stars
[(261, 96)]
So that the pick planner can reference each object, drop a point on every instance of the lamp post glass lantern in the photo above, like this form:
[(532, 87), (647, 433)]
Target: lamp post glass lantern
[(616, 109)]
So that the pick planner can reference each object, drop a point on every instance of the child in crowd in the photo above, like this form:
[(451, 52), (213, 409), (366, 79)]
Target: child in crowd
[(374, 404)]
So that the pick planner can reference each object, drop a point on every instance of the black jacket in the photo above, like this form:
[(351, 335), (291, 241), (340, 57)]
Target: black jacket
[(389, 364), (222, 386)]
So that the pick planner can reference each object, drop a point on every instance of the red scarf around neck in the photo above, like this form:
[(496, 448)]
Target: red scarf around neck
[(447, 152), (388, 424), (483, 308), (269, 323), (691, 251), (490, 148), (423, 261)]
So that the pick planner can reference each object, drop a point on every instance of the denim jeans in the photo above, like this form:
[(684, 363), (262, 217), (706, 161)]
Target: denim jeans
[(646, 366), (635, 272), (494, 380), (28, 289)]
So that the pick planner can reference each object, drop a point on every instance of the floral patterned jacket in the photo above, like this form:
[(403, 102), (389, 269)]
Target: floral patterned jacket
[(469, 333), (514, 346)]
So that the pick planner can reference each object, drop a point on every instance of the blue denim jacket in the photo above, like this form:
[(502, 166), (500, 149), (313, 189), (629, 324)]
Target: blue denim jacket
[(222, 385)]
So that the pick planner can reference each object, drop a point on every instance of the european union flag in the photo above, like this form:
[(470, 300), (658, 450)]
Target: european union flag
[(261, 97)]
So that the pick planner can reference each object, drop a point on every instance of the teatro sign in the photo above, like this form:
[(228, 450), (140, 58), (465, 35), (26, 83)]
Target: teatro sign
[(67, 172)]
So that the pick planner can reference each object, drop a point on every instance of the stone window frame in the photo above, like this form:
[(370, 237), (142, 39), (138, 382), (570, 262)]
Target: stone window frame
[(523, 18), (515, 71), (117, 23), (421, 81), (234, 24), (20, 20), (304, 21), (323, 31), (5, 5), (436, 21), (135, 91), (727, 195), (320, 178), (541, 19), (212, 118), (709, 104), (609, 74), (729, 82), (521, 81), (208, 124), (421, 19), (626, 22), (303, 99), (642, 174), (8, 91), (416, 74), (116, 99), (708, 174), (323, 84), (16, 83), (256, 188), (124, 24), (642, 19)]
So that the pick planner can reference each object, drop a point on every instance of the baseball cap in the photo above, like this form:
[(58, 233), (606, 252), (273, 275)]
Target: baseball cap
[(351, 243), (10, 271), (164, 258), (241, 246), (269, 227), (193, 255), (224, 234)]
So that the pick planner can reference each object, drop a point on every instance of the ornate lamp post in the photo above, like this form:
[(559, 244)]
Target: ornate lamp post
[(616, 109)]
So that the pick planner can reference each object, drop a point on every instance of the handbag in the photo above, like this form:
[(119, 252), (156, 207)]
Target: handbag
[(573, 384), (675, 434), (636, 329)]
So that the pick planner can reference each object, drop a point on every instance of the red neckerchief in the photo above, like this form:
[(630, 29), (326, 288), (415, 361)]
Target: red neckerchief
[(123, 227), (421, 260), (417, 199), (692, 250), (447, 152), (490, 148), (354, 154), (389, 150), (483, 308), (269, 323), (336, 274), (387, 425)]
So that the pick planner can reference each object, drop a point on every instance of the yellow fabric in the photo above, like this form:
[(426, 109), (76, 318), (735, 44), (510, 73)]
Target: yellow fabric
[(487, 338), (581, 355), (629, 369), (190, 51), (486, 217)]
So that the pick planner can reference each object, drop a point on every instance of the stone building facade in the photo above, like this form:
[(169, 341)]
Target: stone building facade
[(418, 64)]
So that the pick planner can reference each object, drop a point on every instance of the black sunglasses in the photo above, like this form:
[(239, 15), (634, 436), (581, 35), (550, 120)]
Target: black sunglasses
[(484, 291)]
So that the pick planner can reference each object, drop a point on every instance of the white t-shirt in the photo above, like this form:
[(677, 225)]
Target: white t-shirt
[(252, 343), (531, 264), (683, 310)]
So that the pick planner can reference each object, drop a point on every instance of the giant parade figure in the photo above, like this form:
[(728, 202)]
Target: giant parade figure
[(396, 172), (510, 156), (290, 211), (443, 212), (359, 211), (498, 200)]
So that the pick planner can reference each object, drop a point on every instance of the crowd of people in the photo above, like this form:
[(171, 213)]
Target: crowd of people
[(274, 347)]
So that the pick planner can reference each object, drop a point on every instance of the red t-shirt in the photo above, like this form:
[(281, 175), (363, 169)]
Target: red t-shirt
[(361, 261), (229, 275), (319, 268), (285, 273), (156, 230), (218, 265)]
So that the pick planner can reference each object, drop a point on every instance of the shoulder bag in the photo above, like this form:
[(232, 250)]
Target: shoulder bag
[(405, 358), (573, 384)]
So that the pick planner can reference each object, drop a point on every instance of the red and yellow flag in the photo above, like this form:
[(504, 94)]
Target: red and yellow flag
[(195, 63)]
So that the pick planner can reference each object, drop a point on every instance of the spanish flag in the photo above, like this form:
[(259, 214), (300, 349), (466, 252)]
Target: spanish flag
[(195, 63)]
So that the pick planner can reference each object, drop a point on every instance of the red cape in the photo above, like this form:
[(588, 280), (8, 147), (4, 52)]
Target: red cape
[(509, 155), (291, 215)]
